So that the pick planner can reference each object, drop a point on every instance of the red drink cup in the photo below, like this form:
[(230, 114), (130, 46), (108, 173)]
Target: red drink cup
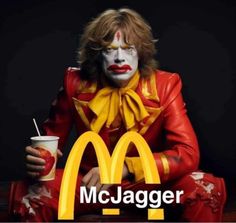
[(47, 146)]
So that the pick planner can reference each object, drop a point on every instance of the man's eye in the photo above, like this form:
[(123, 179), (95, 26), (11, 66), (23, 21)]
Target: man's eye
[(129, 49), (109, 50)]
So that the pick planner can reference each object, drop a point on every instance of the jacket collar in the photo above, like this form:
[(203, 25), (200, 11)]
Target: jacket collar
[(146, 89)]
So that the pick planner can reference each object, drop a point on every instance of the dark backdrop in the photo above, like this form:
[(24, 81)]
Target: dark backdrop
[(39, 39)]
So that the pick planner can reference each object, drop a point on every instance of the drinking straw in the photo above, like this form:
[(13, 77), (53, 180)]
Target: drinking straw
[(36, 126)]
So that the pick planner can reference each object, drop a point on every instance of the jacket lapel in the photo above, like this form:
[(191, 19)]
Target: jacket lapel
[(148, 92), (84, 93)]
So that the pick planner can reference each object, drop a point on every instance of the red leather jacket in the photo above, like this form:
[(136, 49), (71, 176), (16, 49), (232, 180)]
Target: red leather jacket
[(169, 133)]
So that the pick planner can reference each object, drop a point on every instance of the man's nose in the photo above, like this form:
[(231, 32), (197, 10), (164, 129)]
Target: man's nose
[(119, 56)]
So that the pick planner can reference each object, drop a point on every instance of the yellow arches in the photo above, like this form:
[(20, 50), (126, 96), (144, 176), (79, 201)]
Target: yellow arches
[(110, 168)]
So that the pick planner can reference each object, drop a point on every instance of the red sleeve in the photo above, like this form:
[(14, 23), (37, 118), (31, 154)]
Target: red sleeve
[(182, 154), (60, 118)]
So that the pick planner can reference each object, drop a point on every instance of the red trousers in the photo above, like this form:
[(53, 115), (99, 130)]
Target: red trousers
[(203, 199)]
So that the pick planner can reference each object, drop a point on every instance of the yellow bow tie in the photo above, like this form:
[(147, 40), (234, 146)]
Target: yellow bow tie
[(109, 101)]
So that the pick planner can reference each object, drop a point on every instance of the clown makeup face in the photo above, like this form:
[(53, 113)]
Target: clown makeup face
[(120, 60)]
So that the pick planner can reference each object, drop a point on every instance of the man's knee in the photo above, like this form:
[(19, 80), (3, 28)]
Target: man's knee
[(204, 187)]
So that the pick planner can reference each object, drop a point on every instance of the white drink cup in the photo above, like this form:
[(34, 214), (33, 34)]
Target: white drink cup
[(47, 146)]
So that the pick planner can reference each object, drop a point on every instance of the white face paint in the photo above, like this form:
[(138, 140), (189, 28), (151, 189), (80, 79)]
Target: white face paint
[(120, 61)]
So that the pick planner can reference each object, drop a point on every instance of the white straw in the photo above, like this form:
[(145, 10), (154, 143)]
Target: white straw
[(36, 126)]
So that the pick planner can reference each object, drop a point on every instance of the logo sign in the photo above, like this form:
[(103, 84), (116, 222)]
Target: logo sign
[(110, 170)]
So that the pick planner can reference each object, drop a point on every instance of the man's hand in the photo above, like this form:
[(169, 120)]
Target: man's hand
[(92, 178), (34, 163)]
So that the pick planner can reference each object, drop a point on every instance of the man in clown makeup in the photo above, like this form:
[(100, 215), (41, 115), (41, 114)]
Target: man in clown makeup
[(118, 88)]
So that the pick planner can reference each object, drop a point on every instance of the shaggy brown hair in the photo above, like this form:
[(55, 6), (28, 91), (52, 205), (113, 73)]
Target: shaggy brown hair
[(99, 33)]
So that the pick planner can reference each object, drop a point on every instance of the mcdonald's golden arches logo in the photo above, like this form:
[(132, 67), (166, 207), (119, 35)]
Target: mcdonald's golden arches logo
[(108, 165)]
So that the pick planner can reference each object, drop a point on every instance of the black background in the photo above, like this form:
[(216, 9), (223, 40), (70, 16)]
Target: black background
[(39, 39)]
